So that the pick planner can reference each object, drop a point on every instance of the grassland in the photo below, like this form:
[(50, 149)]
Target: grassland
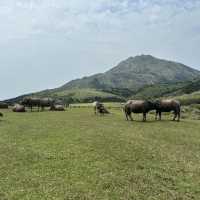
[(82, 95), (188, 99), (76, 155)]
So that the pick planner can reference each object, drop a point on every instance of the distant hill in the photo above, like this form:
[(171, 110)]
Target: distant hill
[(188, 99), (189, 87), (136, 76), (135, 72), (167, 89)]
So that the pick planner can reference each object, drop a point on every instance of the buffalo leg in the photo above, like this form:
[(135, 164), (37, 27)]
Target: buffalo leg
[(178, 117), (178, 114), (130, 116), (144, 117), (175, 115), (160, 116), (156, 117), (126, 116)]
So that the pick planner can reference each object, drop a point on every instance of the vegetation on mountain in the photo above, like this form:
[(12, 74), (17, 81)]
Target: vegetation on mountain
[(136, 72), (140, 77)]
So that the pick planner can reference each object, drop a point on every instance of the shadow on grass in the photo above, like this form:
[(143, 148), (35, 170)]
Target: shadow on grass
[(153, 121)]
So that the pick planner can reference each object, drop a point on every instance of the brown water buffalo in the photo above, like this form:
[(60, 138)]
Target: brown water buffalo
[(3, 105), (46, 102), (138, 106), (57, 108), (168, 106), (19, 108), (37, 102)]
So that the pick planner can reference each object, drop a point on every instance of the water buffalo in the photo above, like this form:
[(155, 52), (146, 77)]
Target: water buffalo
[(3, 105), (138, 106), (96, 104), (19, 108), (57, 108), (168, 106), (40, 103), (31, 102), (46, 102), (1, 115), (99, 108)]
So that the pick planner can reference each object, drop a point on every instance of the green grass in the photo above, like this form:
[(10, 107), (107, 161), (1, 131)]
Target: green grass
[(188, 99), (76, 155), (83, 95), (89, 105)]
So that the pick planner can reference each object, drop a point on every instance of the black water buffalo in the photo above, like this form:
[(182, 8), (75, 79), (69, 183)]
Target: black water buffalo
[(168, 106), (57, 108), (31, 102), (3, 105), (37, 102), (19, 108), (138, 106), (1, 115)]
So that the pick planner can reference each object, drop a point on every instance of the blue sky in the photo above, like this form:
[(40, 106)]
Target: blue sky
[(45, 43)]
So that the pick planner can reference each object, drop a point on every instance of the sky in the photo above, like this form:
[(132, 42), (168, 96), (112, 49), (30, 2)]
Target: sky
[(46, 43)]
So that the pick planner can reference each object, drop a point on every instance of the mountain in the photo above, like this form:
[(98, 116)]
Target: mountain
[(186, 88), (190, 87), (142, 74), (135, 72)]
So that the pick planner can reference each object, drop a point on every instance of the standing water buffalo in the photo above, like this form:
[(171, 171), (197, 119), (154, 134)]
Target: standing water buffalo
[(168, 106), (46, 102), (1, 115), (138, 106), (31, 102), (40, 103)]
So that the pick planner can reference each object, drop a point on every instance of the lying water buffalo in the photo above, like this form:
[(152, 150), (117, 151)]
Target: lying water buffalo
[(57, 108), (3, 105), (138, 106), (19, 108), (96, 104), (37, 102), (168, 106), (99, 108)]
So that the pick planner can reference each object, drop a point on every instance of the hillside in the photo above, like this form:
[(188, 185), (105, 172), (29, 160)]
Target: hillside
[(170, 89), (141, 77), (188, 99), (136, 72)]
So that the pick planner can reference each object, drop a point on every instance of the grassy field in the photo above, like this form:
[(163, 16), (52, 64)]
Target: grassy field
[(76, 155)]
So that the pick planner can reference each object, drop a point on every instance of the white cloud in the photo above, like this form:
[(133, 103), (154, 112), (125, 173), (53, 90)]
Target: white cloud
[(44, 33), (22, 18)]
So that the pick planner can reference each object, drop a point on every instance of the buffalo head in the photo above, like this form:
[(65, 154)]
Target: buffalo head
[(25, 101), (151, 105)]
